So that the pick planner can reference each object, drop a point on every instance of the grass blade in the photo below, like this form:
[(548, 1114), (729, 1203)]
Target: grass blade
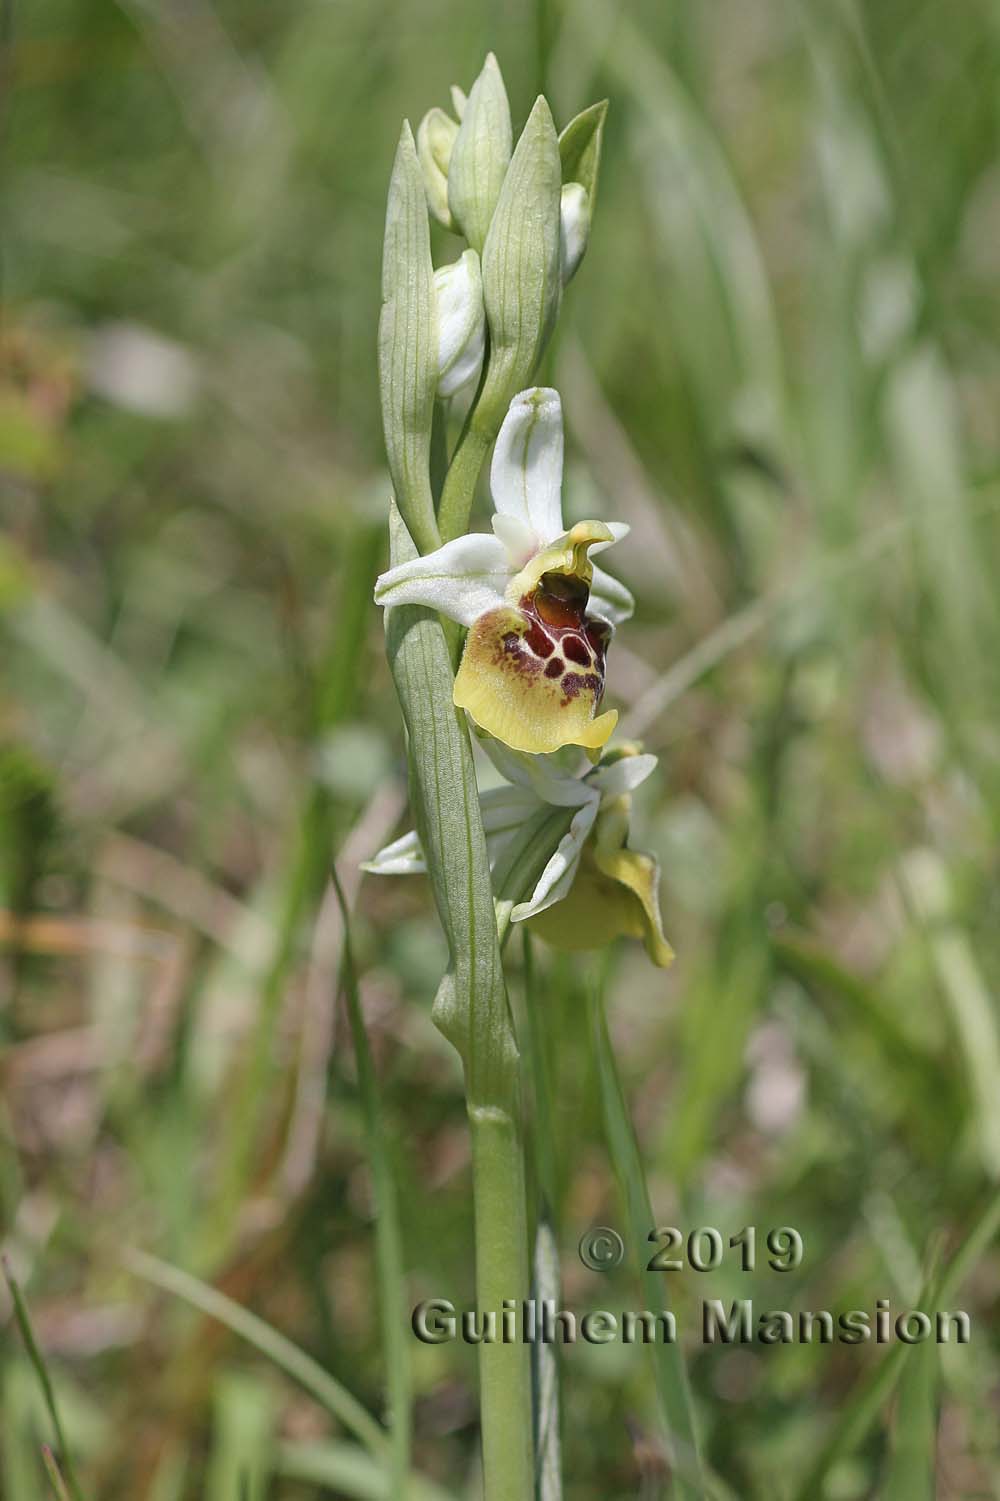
[(240, 1463), (53, 1472), (294, 1362), (671, 1374), (910, 1475), (873, 1391), (927, 887), (35, 1356), (348, 1471), (388, 1238)]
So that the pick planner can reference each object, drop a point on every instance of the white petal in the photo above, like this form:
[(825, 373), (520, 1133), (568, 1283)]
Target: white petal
[(526, 475), (403, 857), (548, 781), (518, 538), (558, 876), (623, 775), (461, 319), (610, 599), (463, 579)]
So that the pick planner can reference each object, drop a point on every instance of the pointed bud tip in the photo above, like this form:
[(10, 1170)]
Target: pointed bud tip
[(541, 111), (406, 141)]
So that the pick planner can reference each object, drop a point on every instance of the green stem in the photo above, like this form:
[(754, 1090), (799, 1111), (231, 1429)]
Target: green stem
[(502, 1273), (463, 476), (473, 1012)]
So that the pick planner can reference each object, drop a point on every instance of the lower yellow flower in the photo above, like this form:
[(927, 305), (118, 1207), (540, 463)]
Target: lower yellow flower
[(594, 888), (615, 894)]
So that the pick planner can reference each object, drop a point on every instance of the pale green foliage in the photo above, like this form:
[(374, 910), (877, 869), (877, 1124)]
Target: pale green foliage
[(480, 156), (407, 343), (521, 263)]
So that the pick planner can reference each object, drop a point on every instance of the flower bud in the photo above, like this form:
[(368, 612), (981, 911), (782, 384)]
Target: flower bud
[(459, 99), (461, 321), (574, 228), (435, 140), (480, 155)]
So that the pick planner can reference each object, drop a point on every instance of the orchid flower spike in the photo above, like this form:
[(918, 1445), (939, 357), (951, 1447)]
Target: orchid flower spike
[(540, 614), (594, 888)]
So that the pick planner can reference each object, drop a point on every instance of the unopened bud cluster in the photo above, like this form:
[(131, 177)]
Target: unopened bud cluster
[(525, 214)]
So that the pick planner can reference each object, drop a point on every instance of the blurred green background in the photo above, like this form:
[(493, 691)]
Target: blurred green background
[(780, 364)]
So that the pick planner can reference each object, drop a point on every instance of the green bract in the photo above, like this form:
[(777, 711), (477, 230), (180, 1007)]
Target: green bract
[(580, 156), (408, 344), (521, 263), (580, 147), (480, 155)]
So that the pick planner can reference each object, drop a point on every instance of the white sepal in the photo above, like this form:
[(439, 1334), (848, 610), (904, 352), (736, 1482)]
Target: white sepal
[(546, 778), (609, 599), (404, 857), (526, 474), (624, 775), (463, 579)]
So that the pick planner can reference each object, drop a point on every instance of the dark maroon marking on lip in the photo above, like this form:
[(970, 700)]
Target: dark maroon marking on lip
[(598, 633), (510, 652), (575, 648), (575, 683), (558, 635), (539, 640)]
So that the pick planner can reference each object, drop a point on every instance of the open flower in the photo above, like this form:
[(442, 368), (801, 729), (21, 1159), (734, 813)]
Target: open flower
[(594, 888), (540, 614)]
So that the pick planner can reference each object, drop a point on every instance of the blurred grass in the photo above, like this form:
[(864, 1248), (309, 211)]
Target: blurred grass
[(780, 365)]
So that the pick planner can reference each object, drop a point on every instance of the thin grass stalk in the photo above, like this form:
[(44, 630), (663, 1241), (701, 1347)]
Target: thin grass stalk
[(301, 1367), (55, 1476), (869, 1395), (388, 1238), (23, 1320), (688, 1480), (335, 692)]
